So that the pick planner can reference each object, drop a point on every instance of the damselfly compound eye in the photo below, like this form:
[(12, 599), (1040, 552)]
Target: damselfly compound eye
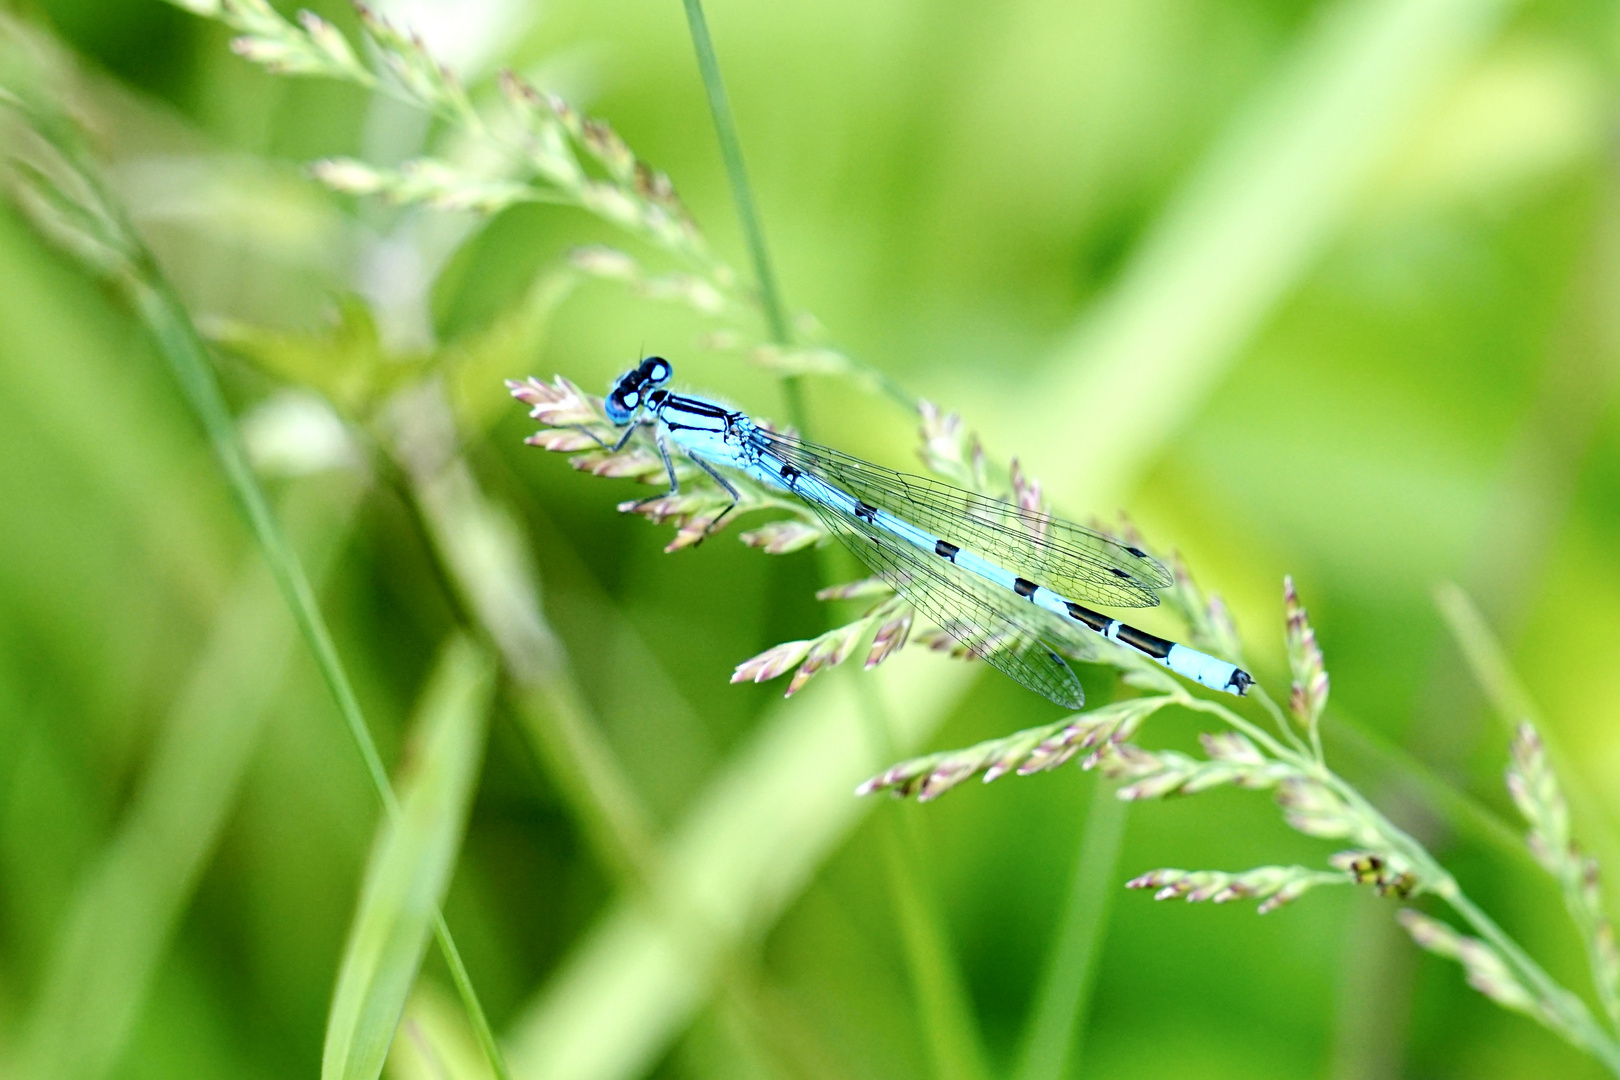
[(625, 396)]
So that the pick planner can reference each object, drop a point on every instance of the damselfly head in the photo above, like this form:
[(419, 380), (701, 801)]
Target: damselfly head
[(630, 390)]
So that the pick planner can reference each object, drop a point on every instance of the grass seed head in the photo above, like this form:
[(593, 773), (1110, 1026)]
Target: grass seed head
[(1308, 694)]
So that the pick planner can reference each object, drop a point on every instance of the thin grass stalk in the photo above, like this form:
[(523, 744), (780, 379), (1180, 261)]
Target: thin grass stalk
[(947, 1017), (1057, 1017), (742, 193), (129, 900), (944, 1007), (181, 345), (1510, 700)]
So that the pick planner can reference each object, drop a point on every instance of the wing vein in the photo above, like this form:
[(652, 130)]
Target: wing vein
[(1078, 562)]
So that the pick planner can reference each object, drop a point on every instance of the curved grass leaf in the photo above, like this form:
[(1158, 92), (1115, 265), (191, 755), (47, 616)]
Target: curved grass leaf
[(129, 900), (410, 865)]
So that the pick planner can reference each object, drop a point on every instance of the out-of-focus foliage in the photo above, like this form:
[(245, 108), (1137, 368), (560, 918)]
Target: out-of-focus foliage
[(1323, 289)]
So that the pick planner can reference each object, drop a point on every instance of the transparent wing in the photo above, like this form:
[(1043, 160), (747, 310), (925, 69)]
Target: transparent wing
[(997, 626), (1079, 563)]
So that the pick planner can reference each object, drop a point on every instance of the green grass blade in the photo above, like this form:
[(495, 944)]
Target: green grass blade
[(131, 898), (1276, 189), (166, 317), (944, 1008), (940, 994), (177, 338), (739, 857), (410, 865), (1059, 1011), (486, 558)]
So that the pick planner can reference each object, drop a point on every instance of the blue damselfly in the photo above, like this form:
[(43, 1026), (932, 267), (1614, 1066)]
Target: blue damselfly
[(1003, 580)]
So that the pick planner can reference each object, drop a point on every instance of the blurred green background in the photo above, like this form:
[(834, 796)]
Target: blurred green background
[(1325, 289)]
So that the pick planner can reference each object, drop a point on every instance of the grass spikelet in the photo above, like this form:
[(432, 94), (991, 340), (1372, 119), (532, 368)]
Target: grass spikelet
[(312, 46), (791, 363), (633, 464), (427, 181), (938, 640), (612, 152), (1026, 495), (1308, 694), (1032, 750), (1156, 774), (695, 529), (694, 292), (563, 440), (1534, 787), (827, 651), (949, 449), (679, 507), (418, 74), (1313, 808), (890, 638), (782, 537), (1535, 791), (609, 264), (1274, 886), (329, 40), (559, 403), (856, 590), (1485, 969), (772, 663)]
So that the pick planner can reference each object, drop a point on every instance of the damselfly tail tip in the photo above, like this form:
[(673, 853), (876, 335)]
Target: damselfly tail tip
[(1240, 682)]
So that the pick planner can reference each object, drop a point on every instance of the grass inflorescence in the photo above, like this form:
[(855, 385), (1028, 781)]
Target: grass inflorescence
[(1319, 803), (523, 145)]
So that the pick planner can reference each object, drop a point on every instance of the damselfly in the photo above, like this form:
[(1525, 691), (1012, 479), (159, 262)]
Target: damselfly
[(1003, 580)]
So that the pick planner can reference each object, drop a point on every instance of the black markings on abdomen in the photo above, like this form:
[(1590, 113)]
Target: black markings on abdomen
[(1094, 619), (946, 550), (789, 475), (1024, 587), (865, 512), (1144, 642), (1140, 640)]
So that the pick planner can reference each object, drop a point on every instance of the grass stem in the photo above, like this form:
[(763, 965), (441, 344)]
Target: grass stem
[(742, 193), (1061, 1002), (181, 345)]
